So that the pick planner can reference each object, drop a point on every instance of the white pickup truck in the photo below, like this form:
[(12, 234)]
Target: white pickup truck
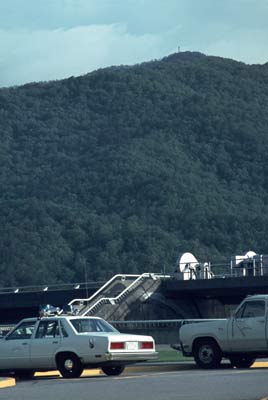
[(241, 338)]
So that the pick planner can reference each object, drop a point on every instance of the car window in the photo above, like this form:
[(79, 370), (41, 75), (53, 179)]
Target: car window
[(84, 325), (252, 309), (48, 329), (23, 331)]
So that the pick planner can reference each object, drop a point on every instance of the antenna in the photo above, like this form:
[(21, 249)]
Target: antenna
[(85, 271)]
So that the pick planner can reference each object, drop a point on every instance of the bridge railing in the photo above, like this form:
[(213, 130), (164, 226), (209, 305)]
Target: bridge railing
[(51, 287)]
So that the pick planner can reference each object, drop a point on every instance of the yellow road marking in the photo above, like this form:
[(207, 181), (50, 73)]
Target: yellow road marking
[(90, 372), (87, 372), (260, 364), (7, 382)]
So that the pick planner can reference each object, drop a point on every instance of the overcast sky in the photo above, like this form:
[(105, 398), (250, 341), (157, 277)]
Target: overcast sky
[(42, 40)]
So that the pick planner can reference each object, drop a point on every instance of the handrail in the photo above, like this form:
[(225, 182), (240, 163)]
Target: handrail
[(127, 289), (111, 299), (101, 288)]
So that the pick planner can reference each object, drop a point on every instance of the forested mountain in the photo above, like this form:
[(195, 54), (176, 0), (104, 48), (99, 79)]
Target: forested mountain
[(122, 169)]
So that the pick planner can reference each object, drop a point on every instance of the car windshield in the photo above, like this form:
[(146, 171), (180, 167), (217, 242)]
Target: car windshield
[(85, 325)]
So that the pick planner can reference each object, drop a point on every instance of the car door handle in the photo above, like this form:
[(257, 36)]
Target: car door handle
[(25, 344), (261, 321), (55, 342)]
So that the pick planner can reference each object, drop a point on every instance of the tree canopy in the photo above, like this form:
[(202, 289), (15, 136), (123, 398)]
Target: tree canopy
[(122, 169)]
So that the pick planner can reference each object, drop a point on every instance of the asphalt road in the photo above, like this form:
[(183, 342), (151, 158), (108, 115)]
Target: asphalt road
[(186, 384)]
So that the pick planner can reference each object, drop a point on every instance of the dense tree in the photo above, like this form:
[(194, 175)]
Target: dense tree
[(122, 169)]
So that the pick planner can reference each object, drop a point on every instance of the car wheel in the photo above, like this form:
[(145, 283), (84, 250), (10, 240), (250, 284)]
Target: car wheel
[(113, 370), (69, 365), (24, 374), (207, 354), (242, 361)]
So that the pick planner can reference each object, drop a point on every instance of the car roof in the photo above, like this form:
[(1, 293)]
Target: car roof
[(58, 317), (257, 297), (77, 317)]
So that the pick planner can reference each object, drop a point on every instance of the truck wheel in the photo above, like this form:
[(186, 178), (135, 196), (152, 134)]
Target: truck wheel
[(113, 370), (242, 361), (207, 354), (69, 365)]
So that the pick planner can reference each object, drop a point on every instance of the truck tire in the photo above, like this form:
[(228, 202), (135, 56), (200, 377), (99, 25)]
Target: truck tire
[(69, 365), (207, 354), (113, 370), (242, 361)]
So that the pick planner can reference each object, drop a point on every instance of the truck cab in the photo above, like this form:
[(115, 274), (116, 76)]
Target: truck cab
[(248, 326), (241, 338)]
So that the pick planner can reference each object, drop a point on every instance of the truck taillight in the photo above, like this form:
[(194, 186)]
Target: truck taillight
[(147, 345), (117, 345)]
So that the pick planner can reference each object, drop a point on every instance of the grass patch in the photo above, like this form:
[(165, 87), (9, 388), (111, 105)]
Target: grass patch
[(171, 355)]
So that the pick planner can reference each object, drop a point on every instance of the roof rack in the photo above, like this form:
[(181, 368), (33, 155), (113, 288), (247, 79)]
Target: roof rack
[(48, 310)]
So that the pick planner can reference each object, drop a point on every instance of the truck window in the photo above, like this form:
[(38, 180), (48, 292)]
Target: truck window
[(252, 309), (239, 312)]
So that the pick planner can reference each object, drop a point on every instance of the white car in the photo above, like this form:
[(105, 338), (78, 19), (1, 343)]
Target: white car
[(70, 344)]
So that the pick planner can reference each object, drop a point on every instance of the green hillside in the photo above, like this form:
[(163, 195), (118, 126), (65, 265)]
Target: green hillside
[(122, 169)]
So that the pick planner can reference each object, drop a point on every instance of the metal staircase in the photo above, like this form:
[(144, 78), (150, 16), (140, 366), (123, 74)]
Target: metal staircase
[(111, 288), (114, 299)]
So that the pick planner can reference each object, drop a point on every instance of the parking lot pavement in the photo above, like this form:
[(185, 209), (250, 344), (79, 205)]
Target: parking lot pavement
[(142, 367)]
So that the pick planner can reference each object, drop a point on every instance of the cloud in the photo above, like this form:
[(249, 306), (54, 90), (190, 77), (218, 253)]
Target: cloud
[(48, 39), (249, 46), (54, 54), (140, 16)]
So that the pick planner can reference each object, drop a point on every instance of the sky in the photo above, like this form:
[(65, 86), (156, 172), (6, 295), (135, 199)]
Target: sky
[(43, 40)]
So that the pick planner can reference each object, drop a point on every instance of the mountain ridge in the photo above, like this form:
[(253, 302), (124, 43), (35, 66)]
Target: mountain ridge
[(121, 169)]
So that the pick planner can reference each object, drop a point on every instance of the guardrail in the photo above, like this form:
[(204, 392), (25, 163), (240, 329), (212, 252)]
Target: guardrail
[(44, 288), (4, 329), (162, 323), (157, 323), (163, 331)]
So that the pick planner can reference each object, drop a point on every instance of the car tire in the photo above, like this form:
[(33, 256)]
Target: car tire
[(24, 374), (207, 354), (69, 365), (113, 370), (242, 361)]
